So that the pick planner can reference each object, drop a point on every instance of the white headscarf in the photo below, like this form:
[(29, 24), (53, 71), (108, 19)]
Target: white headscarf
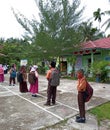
[(33, 69), (35, 66)]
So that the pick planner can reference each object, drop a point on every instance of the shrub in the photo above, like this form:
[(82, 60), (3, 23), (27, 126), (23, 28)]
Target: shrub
[(99, 69)]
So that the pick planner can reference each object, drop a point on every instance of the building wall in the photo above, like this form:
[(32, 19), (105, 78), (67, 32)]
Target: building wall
[(84, 61)]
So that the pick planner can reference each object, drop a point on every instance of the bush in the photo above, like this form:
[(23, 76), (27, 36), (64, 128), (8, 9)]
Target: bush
[(99, 70)]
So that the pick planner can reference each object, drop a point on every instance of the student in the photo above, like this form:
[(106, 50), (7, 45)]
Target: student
[(52, 87), (81, 103), (22, 79), (33, 80), (1, 73), (12, 77)]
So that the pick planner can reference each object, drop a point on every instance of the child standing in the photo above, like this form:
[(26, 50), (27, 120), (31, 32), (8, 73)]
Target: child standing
[(12, 77), (81, 87), (34, 77)]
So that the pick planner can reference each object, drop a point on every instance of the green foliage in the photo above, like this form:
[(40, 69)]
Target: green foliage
[(99, 69), (107, 22), (41, 70), (88, 32), (97, 15), (15, 50), (60, 21), (57, 32)]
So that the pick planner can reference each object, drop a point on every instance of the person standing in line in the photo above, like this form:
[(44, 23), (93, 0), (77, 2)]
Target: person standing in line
[(5, 68), (23, 80), (51, 90), (34, 80), (1, 73), (12, 77), (81, 87)]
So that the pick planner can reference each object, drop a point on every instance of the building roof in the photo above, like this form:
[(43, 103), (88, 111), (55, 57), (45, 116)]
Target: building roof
[(103, 43), (92, 46)]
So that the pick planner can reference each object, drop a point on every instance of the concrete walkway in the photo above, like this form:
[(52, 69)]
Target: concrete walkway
[(21, 111)]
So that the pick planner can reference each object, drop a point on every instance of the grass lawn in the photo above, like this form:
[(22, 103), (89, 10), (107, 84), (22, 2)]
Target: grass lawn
[(101, 112)]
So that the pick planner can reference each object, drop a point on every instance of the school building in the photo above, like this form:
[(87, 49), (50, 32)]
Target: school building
[(98, 50)]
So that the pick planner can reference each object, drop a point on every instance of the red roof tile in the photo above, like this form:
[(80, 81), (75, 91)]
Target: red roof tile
[(103, 43)]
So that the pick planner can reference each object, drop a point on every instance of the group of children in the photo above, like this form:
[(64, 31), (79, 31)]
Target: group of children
[(32, 78), (23, 77)]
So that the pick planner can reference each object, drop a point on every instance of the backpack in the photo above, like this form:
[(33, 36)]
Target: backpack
[(55, 78), (32, 78), (88, 93), (13, 73), (19, 77)]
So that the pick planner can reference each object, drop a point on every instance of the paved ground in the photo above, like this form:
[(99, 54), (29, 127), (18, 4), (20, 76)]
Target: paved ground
[(21, 111)]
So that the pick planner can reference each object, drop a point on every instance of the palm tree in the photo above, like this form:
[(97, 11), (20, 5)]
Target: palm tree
[(107, 22), (97, 15), (89, 32)]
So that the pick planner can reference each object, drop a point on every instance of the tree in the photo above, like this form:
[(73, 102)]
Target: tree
[(57, 33), (14, 50), (2, 40), (88, 32), (97, 15), (107, 22), (30, 26)]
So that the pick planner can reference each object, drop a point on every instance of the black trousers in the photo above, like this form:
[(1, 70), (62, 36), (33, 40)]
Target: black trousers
[(51, 94), (11, 80), (81, 104)]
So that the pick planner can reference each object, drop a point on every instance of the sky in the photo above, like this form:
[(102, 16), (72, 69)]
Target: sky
[(9, 27)]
